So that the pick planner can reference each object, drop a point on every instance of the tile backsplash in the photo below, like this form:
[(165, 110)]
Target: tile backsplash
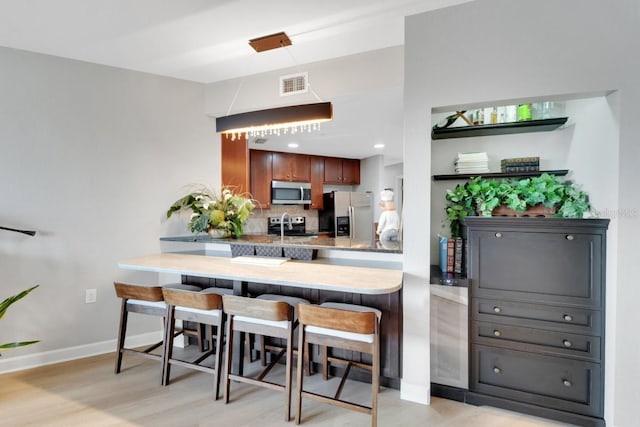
[(257, 222)]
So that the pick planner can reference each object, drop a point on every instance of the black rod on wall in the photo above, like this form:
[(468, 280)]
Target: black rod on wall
[(29, 232)]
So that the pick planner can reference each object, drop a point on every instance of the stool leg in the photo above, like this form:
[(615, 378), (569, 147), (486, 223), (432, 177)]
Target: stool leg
[(122, 332), (169, 332), (325, 363), (229, 359), (288, 380), (218, 357), (302, 346)]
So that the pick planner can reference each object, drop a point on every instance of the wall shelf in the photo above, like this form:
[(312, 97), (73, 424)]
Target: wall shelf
[(558, 172), (543, 125)]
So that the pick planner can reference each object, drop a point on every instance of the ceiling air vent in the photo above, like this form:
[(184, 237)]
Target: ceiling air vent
[(294, 84)]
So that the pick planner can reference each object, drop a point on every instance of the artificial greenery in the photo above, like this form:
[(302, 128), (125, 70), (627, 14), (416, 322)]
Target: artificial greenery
[(480, 196), (4, 306), (209, 210)]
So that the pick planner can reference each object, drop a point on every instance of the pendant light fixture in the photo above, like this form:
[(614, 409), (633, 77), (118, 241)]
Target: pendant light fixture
[(275, 121)]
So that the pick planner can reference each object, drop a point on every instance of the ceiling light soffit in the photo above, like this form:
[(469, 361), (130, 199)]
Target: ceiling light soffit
[(274, 121)]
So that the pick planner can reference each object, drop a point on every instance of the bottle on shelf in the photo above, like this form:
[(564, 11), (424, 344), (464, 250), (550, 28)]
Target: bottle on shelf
[(494, 115), (524, 112)]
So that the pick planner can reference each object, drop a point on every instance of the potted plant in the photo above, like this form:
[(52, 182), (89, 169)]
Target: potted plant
[(219, 214), (4, 306), (482, 196)]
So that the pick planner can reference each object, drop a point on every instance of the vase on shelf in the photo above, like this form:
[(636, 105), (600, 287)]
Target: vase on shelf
[(218, 233)]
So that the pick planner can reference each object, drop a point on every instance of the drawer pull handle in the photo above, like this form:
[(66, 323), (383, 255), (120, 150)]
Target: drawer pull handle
[(497, 370), (498, 235), (567, 343), (497, 333), (497, 310), (566, 383), (568, 317), (570, 237)]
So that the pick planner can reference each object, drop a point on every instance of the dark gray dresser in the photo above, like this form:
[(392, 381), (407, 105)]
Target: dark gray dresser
[(536, 316)]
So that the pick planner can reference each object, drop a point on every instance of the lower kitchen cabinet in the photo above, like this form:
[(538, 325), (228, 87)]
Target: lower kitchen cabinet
[(536, 316)]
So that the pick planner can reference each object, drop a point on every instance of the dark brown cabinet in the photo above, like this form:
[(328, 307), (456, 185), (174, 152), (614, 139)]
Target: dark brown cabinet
[(291, 167), (341, 171), (317, 180), (235, 163), (536, 316), (260, 177)]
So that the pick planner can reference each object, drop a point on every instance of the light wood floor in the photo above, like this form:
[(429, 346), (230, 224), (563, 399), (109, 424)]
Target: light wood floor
[(86, 392)]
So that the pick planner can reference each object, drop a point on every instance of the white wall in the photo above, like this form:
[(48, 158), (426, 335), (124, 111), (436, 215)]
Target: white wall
[(536, 49), (91, 157)]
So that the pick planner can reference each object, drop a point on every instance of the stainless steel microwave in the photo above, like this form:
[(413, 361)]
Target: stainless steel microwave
[(290, 193)]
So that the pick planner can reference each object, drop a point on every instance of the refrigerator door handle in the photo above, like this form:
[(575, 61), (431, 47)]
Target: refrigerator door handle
[(352, 220)]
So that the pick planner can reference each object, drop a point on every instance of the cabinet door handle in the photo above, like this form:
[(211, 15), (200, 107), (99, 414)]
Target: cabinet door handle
[(497, 333), (498, 235), (566, 383), (567, 343), (570, 237), (497, 370), (497, 310), (568, 317)]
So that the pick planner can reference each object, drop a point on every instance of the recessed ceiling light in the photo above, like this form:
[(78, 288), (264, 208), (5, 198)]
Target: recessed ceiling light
[(378, 146), (292, 145)]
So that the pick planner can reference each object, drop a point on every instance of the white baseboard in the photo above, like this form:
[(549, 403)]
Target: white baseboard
[(415, 393), (18, 363)]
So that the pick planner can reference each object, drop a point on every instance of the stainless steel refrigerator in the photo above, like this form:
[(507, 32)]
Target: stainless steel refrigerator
[(348, 214)]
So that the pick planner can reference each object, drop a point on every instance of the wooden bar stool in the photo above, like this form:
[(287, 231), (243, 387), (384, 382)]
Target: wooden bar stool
[(198, 333), (201, 307), (261, 317), (345, 326), (137, 299)]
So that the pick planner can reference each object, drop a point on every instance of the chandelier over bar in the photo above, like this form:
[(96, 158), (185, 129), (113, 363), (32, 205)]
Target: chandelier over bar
[(275, 121)]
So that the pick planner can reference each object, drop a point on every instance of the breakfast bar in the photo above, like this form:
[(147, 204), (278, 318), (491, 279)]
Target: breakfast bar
[(314, 281)]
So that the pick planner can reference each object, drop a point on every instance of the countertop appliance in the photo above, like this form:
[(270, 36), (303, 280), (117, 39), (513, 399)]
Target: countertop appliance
[(298, 225), (347, 214), (290, 193)]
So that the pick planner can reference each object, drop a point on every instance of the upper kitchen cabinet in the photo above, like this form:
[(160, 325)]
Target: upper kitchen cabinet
[(291, 167), (235, 163), (260, 177), (317, 180), (341, 171)]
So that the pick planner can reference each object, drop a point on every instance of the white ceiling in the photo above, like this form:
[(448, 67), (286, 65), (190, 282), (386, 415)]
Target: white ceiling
[(207, 40)]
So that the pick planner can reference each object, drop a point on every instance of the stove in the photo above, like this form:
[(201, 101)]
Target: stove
[(298, 225)]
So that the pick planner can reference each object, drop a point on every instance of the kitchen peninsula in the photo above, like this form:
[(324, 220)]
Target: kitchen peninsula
[(363, 277)]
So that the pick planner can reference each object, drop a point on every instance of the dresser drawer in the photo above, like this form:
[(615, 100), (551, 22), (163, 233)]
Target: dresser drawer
[(585, 347), (552, 382), (549, 267), (541, 316)]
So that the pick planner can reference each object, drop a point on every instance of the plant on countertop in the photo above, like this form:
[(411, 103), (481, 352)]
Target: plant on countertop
[(480, 196), (225, 211), (4, 306)]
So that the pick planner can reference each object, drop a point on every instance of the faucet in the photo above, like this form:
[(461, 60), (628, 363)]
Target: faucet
[(290, 225)]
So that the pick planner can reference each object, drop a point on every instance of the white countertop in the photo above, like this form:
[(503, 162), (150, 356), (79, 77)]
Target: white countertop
[(311, 275)]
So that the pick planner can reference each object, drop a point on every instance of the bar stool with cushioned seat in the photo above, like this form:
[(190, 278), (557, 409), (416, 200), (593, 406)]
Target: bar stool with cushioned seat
[(345, 326), (261, 317), (205, 308), (137, 299), (198, 333)]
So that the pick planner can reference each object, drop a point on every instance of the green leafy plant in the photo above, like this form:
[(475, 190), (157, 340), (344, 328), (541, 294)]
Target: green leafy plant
[(4, 306), (210, 210), (480, 196)]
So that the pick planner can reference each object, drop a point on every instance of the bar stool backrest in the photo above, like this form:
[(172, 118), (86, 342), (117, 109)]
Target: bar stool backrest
[(139, 292), (201, 301), (341, 320), (259, 309)]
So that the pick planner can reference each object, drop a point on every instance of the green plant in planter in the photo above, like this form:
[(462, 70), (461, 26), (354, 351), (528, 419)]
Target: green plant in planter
[(4, 306), (480, 196)]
